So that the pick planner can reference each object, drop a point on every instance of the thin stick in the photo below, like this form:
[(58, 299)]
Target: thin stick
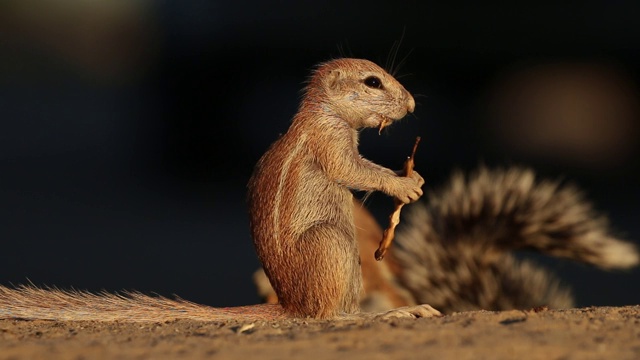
[(394, 218)]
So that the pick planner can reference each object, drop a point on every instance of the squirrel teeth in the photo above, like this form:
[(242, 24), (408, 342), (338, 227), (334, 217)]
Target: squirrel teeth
[(384, 123)]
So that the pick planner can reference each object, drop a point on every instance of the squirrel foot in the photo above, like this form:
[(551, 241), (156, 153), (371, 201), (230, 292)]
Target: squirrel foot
[(411, 312), (404, 312)]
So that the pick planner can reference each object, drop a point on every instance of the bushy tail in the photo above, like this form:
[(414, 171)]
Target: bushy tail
[(454, 250), (33, 303)]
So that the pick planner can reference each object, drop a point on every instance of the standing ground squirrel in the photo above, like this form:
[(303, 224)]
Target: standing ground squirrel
[(301, 212), (300, 193)]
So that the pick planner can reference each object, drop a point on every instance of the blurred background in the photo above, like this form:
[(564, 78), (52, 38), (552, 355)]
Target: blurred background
[(129, 129)]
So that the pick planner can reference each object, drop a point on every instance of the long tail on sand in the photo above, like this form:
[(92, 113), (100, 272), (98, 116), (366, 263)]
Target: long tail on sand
[(30, 302)]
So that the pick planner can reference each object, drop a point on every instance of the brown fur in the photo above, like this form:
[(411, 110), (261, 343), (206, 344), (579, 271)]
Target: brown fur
[(300, 196), (381, 290)]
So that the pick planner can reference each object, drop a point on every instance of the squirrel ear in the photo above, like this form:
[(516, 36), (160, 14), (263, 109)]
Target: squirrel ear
[(333, 79)]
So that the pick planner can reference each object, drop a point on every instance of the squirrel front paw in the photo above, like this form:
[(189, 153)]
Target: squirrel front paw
[(408, 189)]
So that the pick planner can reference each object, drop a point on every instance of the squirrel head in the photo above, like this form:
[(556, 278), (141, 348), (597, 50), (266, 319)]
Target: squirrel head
[(359, 92)]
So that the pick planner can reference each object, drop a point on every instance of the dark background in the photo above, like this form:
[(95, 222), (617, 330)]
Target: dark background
[(128, 131)]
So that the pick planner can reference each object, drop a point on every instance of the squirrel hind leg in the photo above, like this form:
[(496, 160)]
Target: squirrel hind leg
[(325, 277)]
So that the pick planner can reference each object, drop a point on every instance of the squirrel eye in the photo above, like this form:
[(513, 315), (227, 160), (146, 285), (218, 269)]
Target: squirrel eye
[(373, 82)]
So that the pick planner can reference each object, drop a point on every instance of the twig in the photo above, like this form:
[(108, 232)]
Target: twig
[(394, 218)]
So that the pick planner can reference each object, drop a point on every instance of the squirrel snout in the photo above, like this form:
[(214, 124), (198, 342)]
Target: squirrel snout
[(411, 104)]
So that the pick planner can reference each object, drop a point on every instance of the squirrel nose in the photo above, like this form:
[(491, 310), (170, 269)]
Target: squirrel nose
[(411, 104)]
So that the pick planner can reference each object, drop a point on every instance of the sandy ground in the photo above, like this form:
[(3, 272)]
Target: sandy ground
[(589, 333)]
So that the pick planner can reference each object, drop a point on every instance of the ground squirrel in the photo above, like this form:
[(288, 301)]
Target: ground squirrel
[(301, 212), (300, 196)]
